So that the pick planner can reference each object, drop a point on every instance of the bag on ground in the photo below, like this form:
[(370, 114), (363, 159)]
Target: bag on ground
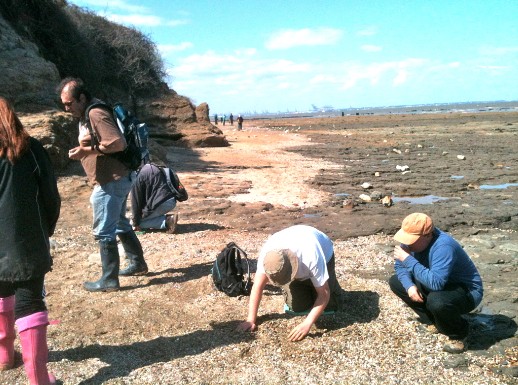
[(136, 134), (231, 271)]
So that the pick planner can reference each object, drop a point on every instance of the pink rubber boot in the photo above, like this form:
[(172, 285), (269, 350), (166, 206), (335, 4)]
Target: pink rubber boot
[(33, 338), (7, 334)]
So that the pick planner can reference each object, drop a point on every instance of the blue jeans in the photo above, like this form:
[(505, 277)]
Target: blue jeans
[(156, 220), (109, 208)]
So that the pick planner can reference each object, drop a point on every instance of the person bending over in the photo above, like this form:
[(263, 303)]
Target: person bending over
[(299, 259)]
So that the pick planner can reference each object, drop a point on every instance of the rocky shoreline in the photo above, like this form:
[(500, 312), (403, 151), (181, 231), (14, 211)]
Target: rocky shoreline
[(172, 327)]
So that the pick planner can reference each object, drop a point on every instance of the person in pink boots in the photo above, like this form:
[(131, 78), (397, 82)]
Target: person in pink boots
[(30, 206)]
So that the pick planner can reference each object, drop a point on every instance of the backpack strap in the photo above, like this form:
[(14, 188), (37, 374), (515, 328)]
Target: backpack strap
[(165, 171), (246, 284), (94, 138)]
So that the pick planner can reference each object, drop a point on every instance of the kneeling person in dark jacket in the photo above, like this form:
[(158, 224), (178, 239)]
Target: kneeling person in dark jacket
[(152, 199)]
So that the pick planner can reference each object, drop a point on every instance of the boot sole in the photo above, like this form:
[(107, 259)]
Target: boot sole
[(103, 290)]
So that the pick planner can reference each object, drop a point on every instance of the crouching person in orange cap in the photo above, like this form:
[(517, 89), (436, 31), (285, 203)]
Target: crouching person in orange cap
[(299, 259), (436, 278)]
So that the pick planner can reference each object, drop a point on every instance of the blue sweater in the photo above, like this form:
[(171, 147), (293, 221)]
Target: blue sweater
[(443, 262)]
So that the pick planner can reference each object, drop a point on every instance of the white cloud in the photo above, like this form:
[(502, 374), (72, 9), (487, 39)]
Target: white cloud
[(178, 22), (497, 51), (494, 67), (137, 20), (370, 48), (369, 31), (398, 71), (168, 48), (303, 37), (117, 4)]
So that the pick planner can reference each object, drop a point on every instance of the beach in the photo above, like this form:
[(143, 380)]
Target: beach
[(172, 327)]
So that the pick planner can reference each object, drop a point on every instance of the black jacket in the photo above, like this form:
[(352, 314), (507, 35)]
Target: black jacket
[(149, 191), (29, 210)]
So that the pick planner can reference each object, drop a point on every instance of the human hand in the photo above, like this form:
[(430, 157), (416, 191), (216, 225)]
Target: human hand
[(299, 332), (415, 295), (400, 253), (246, 326), (75, 153)]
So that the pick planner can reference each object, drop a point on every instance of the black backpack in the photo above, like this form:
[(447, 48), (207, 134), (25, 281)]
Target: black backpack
[(174, 184), (136, 134), (228, 271)]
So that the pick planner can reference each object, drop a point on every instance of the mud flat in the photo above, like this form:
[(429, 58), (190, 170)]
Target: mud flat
[(172, 327)]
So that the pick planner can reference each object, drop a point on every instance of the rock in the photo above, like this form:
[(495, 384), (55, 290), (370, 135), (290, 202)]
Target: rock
[(365, 197), (57, 132), (455, 361), (509, 247), (348, 204), (402, 168), (27, 79), (396, 151), (376, 173), (366, 185), (202, 113), (461, 157), (386, 201), (173, 120), (376, 195)]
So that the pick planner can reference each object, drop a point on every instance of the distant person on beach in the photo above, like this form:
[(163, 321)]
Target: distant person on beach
[(152, 200), (224, 119), (300, 259), (216, 119), (436, 278), (231, 118), (112, 182), (30, 207), (239, 122)]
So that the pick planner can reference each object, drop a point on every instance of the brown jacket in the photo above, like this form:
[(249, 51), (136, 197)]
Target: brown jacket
[(99, 168)]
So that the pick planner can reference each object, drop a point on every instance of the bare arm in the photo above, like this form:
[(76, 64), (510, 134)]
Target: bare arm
[(301, 330), (260, 281)]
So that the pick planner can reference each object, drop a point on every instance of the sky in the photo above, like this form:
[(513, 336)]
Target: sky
[(256, 56)]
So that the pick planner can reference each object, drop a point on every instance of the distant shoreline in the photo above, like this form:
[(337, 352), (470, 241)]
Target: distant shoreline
[(436, 108)]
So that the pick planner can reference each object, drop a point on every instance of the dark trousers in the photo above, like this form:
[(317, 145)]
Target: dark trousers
[(28, 296), (300, 296), (443, 308)]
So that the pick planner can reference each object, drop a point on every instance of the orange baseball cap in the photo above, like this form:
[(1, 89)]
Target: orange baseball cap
[(414, 226)]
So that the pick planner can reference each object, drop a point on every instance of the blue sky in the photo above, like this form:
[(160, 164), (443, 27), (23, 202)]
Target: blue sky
[(277, 56)]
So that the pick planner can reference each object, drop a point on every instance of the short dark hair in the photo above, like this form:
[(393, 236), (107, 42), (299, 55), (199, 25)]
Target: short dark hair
[(77, 87)]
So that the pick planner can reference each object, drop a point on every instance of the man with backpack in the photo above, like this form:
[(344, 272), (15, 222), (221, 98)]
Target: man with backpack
[(99, 139), (152, 199), (299, 259)]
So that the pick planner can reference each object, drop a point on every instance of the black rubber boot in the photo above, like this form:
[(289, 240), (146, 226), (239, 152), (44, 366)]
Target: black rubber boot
[(135, 255), (109, 281)]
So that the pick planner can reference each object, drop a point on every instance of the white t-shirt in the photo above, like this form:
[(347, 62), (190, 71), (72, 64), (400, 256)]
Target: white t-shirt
[(312, 247)]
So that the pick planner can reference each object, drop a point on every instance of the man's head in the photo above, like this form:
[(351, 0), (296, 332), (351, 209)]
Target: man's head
[(74, 96), (416, 231), (281, 266)]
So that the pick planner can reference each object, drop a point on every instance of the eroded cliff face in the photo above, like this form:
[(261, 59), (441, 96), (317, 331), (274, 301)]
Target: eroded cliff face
[(29, 82), (26, 79)]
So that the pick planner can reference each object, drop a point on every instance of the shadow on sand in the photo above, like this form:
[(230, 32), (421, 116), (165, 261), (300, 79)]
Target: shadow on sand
[(121, 360), (489, 329), (175, 275)]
